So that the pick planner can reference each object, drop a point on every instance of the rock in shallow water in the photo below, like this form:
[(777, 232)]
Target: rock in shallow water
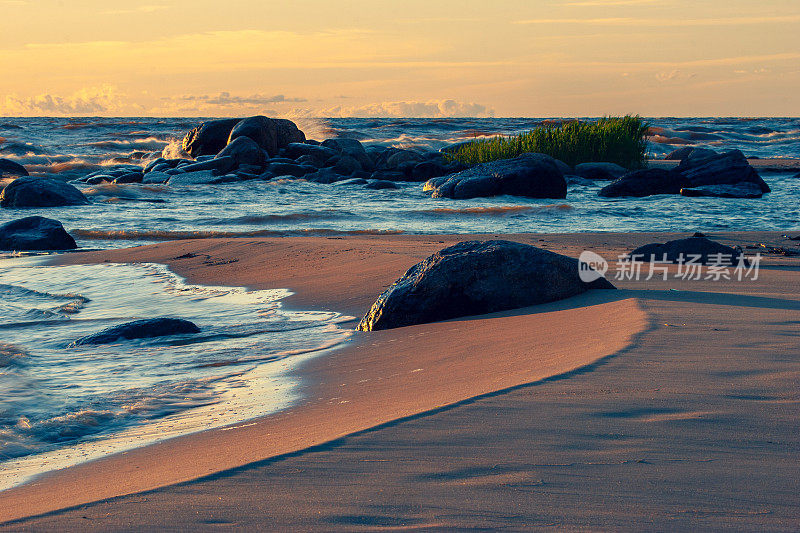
[(477, 277), (140, 329), (710, 168), (209, 137), (12, 168), (35, 233), (529, 175), (40, 192), (645, 182), (745, 189)]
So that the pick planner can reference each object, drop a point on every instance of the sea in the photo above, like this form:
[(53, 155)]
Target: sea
[(62, 404)]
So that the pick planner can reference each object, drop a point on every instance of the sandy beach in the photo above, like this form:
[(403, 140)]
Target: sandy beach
[(662, 405)]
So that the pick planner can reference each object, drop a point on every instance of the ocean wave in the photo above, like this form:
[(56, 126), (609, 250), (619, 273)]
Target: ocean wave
[(148, 143), (326, 214), (11, 356), (165, 235)]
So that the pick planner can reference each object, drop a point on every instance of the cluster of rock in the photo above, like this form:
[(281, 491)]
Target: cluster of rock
[(261, 148), (701, 172), (477, 277)]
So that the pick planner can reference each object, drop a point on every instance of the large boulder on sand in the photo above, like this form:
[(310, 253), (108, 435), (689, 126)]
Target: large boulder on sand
[(477, 277), (40, 192), (681, 250), (209, 137), (244, 151), (261, 129), (529, 175), (35, 233), (140, 329), (710, 168), (645, 182)]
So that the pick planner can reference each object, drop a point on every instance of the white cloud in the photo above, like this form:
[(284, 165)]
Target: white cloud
[(429, 109), (87, 101), (226, 99)]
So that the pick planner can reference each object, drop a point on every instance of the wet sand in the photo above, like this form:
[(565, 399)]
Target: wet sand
[(643, 407)]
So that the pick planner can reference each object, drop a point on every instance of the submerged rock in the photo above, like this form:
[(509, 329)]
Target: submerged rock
[(600, 171), (645, 182), (35, 233), (40, 192), (209, 137), (529, 175), (719, 169), (745, 189), (12, 168), (684, 249), (477, 277), (140, 329)]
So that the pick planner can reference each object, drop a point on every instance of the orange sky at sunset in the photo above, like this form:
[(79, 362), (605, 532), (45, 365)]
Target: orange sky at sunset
[(411, 58)]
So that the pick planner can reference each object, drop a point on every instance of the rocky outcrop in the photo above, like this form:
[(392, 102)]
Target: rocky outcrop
[(681, 250), (288, 132), (35, 233), (12, 168), (529, 175), (645, 182), (477, 277), (40, 192), (719, 169), (745, 189), (140, 329), (209, 137)]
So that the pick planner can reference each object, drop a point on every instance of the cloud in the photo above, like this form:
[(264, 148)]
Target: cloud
[(430, 109), (226, 99), (87, 101), (630, 21)]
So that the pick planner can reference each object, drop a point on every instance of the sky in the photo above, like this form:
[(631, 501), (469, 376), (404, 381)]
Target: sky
[(380, 58)]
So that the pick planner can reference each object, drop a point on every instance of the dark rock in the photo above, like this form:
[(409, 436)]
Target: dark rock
[(260, 129), (209, 137), (477, 277), (744, 189), (563, 167), (155, 178), (220, 164), (140, 329), (698, 234), (35, 233), (381, 184), (600, 171), (289, 169), (173, 171), (12, 168), (529, 175), (40, 192), (577, 180), (159, 168), (455, 147), (310, 160), (719, 169), (347, 165), (323, 153), (287, 132), (352, 148), (395, 160), (244, 151), (645, 182), (427, 170), (130, 177), (152, 164), (679, 154), (686, 248), (324, 175)]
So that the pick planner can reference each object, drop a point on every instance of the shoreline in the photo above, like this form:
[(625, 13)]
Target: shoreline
[(348, 274)]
